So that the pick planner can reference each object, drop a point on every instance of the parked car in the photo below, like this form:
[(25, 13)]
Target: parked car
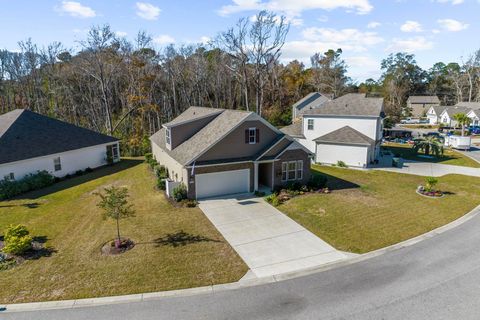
[(410, 121), (474, 129)]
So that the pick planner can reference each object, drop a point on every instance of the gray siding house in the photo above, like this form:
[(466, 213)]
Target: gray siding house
[(419, 105), (217, 152)]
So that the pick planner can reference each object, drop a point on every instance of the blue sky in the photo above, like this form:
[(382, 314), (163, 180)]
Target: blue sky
[(366, 30)]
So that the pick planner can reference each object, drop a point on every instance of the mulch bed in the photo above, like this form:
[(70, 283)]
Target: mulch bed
[(431, 194), (38, 250), (109, 248)]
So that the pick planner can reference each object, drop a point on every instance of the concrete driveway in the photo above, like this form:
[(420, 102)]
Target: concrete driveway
[(268, 241), (431, 169)]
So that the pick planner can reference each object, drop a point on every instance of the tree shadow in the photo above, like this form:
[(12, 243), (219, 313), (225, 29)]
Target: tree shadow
[(181, 238), (32, 205), (410, 154), (335, 183), (78, 180)]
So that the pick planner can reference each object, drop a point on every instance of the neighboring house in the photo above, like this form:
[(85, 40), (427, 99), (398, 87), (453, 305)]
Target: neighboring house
[(433, 114), (347, 129), (474, 116), (217, 152), (30, 142), (418, 105), (309, 102), (446, 117)]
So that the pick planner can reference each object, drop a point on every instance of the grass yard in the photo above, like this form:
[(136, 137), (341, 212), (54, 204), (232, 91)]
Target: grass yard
[(175, 247), (368, 210), (449, 157)]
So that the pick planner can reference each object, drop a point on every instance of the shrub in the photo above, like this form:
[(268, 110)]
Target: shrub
[(189, 203), (180, 192), (273, 199), (294, 186), (33, 181), (317, 181), (79, 173), (430, 183), (88, 170), (160, 171), (17, 240), (341, 164), (259, 193), (150, 160), (148, 157), (161, 183)]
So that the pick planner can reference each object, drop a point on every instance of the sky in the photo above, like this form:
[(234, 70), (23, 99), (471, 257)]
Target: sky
[(366, 30)]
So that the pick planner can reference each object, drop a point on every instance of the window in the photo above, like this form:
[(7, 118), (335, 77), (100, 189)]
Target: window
[(252, 135), (57, 164), (10, 176), (292, 170), (299, 169), (115, 154), (168, 139), (310, 124)]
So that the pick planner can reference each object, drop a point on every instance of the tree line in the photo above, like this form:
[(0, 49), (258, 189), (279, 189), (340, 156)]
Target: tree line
[(130, 88)]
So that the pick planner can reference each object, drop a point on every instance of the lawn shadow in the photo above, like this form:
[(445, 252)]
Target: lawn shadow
[(32, 205), (410, 154), (181, 238), (78, 180), (335, 183)]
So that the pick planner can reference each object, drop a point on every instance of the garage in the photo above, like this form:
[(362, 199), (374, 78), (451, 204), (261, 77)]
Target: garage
[(222, 183), (351, 155)]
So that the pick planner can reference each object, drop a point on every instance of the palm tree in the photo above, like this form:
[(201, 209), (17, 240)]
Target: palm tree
[(462, 120), (429, 143)]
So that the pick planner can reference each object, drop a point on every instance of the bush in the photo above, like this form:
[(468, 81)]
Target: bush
[(150, 160), (180, 192), (79, 173), (317, 181), (17, 240), (148, 157), (88, 170), (160, 171), (294, 186), (190, 203), (430, 183), (259, 193), (33, 181), (341, 164), (161, 183), (273, 199)]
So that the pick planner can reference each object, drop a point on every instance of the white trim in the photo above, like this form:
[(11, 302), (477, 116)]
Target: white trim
[(254, 130), (216, 164)]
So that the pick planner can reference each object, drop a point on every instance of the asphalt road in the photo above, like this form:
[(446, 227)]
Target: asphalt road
[(438, 278)]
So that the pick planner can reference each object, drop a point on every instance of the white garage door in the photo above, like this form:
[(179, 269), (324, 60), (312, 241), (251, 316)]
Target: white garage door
[(222, 183)]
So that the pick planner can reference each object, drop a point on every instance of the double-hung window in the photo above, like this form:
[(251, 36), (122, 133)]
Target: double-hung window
[(10, 176), (292, 170), (252, 135), (168, 139), (115, 154), (57, 164), (310, 124)]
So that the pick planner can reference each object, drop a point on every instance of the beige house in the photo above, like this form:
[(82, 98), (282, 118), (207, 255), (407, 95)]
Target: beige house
[(419, 105), (217, 152)]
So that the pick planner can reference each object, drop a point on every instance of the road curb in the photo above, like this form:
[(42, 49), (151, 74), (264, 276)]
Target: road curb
[(213, 289)]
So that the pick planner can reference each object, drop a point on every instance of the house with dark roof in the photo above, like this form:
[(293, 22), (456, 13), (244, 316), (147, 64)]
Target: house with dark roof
[(311, 101), (417, 106), (216, 152), (433, 114), (347, 129), (31, 142)]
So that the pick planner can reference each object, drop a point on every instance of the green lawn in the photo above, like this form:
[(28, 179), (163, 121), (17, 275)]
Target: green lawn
[(449, 157), (66, 214), (368, 210)]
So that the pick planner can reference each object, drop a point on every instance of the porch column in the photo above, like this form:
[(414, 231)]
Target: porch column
[(255, 176)]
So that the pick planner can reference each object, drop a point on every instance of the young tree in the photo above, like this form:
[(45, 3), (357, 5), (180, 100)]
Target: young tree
[(115, 206), (462, 120)]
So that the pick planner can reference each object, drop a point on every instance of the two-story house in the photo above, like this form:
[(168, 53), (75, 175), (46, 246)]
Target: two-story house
[(417, 106), (217, 152), (347, 129)]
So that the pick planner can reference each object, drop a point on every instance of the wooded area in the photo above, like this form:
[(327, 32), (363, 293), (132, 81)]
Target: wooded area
[(128, 89)]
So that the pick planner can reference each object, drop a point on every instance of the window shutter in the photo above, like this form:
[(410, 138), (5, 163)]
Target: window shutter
[(257, 135), (246, 135)]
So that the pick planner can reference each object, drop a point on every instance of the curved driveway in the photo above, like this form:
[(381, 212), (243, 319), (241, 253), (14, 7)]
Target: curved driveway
[(438, 278)]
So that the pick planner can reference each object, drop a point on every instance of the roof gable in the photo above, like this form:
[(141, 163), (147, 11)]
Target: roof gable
[(311, 100), (351, 104), (192, 114), (424, 99), (345, 135), (25, 134)]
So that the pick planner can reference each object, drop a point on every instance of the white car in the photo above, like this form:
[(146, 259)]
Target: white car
[(410, 121)]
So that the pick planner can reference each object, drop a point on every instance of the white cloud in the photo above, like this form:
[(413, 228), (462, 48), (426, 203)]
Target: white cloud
[(205, 39), (147, 11), (454, 2), (410, 45), (452, 25), (121, 33), (76, 9), (363, 67), (163, 39), (411, 26), (295, 8), (347, 39), (373, 25)]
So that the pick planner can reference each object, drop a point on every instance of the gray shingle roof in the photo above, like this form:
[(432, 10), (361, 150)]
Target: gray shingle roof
[(25, 134), (193, 113), (453, 110), (352, 104), (424, 99), (345, 135), (438, 109), (311, 100), (294, 130), (206, 137), (471, 105)]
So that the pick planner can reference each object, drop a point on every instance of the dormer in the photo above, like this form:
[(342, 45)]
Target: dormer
[(187, 124)]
